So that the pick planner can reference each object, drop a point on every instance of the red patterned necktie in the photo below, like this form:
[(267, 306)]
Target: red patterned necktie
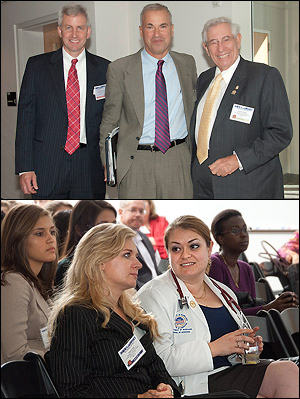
[(73, 105), (162, 132)]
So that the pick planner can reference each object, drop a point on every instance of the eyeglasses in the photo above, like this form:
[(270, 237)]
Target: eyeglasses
[(136, 210), (236, 232), (215, 43)]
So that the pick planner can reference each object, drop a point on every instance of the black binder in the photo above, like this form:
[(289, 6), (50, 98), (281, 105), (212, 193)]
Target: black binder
[(111, 157)]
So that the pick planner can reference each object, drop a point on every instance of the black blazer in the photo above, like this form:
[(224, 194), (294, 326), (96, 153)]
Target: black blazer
[(43, 121), (84, 358), (257, 144), (145, 273)]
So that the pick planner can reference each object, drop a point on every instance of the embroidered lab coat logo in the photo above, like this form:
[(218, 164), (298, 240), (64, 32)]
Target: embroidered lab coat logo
[(180, 323)]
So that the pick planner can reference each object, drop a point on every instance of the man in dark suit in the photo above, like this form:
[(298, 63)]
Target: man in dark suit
[(250, 122), (132, 215), (45, 167)]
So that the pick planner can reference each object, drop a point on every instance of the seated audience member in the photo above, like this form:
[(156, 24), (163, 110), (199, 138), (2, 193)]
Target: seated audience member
[(85, 215), (290, 250), (28, 265), (101, 342), (201, 330), (132, 214), (6, 205), (61, 221), (42, 203), (230, 232), (2, 215), (156, 226), (55, 206)]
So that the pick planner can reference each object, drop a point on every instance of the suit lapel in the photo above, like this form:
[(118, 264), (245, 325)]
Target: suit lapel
[(238, 80), (91, 71), (183, 74), (205, 82), (135, 86), (41, 303), (120, 325), (149, 248), (57, 76)]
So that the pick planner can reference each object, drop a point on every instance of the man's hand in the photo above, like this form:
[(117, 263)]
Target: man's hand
[(105, 173), (224, 166), (28, 183)]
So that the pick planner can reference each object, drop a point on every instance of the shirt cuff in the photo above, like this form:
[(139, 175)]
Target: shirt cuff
[(240, 165), (22, 173)]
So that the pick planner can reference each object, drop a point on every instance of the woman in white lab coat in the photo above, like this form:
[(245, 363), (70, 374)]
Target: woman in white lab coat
[(201, 329)]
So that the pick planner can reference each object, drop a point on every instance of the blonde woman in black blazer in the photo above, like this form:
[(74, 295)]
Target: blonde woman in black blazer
[(94, 318)]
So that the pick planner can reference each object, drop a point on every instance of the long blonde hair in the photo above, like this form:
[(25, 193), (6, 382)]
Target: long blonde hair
[(85, 283)]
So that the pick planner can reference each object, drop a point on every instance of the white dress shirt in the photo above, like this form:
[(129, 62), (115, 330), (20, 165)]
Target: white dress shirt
[(226, 75), (177, 121)]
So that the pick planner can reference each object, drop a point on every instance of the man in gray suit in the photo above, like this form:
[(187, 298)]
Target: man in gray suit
[(249, 126), (143, 170)]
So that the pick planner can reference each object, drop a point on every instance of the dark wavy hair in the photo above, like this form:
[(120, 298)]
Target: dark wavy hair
[(83, 218)]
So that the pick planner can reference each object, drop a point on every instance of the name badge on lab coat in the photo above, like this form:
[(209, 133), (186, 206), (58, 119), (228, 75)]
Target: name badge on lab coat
[(131, 352), (240, 113)]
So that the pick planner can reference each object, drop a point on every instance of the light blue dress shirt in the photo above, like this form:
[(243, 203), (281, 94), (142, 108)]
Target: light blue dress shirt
[(177, 121)]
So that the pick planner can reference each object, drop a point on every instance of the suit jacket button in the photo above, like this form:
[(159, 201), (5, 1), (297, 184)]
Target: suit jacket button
[(132, 157), (62, 147), (137, 138)]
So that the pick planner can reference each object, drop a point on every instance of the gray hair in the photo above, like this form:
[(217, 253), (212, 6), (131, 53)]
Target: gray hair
[(73, 9), (154, 7), (124, 203), (235, 28)]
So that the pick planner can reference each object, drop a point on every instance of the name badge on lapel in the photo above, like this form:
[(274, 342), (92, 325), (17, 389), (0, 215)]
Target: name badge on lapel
[(241, 113), (131, 352), (99, 92)]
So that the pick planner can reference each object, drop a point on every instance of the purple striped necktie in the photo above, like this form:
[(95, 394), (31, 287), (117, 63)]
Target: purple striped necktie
[(162, 132)]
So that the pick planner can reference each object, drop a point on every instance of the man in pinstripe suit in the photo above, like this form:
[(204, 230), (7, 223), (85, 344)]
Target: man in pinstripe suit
[(46, 170), (248, 128)]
